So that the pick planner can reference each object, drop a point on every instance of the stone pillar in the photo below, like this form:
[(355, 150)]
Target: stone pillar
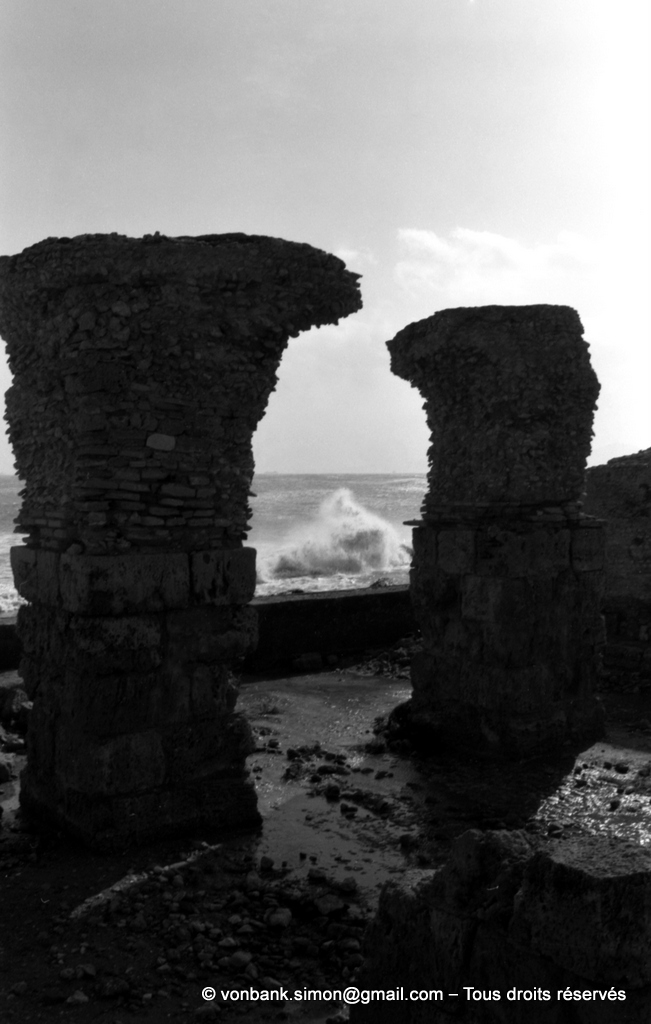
[(508, 573), (620, 493), (141, 369)]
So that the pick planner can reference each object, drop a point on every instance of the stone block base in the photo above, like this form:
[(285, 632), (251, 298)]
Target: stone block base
[(482, 734), (218, 805), (512, 631), (133, 734), (503, 916), (135, 583)]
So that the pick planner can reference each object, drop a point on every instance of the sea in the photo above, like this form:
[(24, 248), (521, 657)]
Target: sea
[(312, 532)]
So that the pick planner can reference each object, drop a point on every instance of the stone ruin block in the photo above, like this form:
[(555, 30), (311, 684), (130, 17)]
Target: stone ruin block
[(619, 492), (508, 573), (510, 912), (141, 369), (586, 904)]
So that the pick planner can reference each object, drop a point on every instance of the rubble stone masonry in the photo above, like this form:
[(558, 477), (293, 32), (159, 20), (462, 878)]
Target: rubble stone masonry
[(141, 370), (508, 572)]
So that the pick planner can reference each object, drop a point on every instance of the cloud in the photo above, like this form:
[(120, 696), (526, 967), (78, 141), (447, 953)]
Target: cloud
[(602, 282), (481, 267), (356, 257)]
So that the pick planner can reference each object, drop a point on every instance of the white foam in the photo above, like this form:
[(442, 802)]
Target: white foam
[(10, 600), (343, 540)]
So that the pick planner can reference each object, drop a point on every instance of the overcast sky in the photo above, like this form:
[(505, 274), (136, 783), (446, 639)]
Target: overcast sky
[(454, 152)]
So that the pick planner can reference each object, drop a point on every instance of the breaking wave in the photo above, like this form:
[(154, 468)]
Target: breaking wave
[(10, 602), (343, 540)]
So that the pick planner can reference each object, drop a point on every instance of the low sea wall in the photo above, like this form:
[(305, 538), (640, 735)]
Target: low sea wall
[(294, 629), (10, 649), (331, 624)]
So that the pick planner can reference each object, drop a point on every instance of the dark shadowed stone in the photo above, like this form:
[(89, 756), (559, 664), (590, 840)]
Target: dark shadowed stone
[(510, 395), (620, 493), (507, 574), (586, 904), (507, 914), (141, 369)]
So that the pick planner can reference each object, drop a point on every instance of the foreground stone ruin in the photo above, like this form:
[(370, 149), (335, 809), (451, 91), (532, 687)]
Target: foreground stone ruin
[(508, 572), (520, 931), (620, 493), (141, 369)]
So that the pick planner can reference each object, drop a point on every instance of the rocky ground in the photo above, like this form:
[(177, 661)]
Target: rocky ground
[(138, 935)]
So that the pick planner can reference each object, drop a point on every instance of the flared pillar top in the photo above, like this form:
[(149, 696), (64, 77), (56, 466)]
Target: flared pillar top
[(509, 394)]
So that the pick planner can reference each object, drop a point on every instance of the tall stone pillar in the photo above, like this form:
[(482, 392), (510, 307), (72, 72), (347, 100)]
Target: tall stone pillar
[(141, 369), (508, 573)]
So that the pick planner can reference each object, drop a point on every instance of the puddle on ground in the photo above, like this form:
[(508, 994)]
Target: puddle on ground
[(303, 829), (605, 789), (608, 793), (336, 806)]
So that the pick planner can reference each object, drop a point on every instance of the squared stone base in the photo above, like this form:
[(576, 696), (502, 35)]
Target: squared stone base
[(133, 734), (204, 807), (466, 729), (512, 633)]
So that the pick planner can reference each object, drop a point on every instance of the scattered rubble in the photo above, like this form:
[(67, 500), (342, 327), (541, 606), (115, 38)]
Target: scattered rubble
[(216, 918)]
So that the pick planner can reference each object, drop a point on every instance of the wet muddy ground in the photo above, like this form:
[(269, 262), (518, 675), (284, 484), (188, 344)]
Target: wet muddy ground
[(138, 935)]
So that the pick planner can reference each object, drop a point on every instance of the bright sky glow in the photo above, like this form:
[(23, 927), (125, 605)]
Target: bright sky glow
[(454, 152)]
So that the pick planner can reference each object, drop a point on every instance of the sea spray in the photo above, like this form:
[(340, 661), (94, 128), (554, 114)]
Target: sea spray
[(344, 539), (10, 601)]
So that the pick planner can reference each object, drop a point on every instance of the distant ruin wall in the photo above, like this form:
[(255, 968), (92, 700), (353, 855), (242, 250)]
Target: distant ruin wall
[(141, 369), (507, 573), (620, 493)]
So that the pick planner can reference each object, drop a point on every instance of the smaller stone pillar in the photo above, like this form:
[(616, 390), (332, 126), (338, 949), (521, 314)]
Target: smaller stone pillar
[(141, 369), (508, 573), (620, 493)]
